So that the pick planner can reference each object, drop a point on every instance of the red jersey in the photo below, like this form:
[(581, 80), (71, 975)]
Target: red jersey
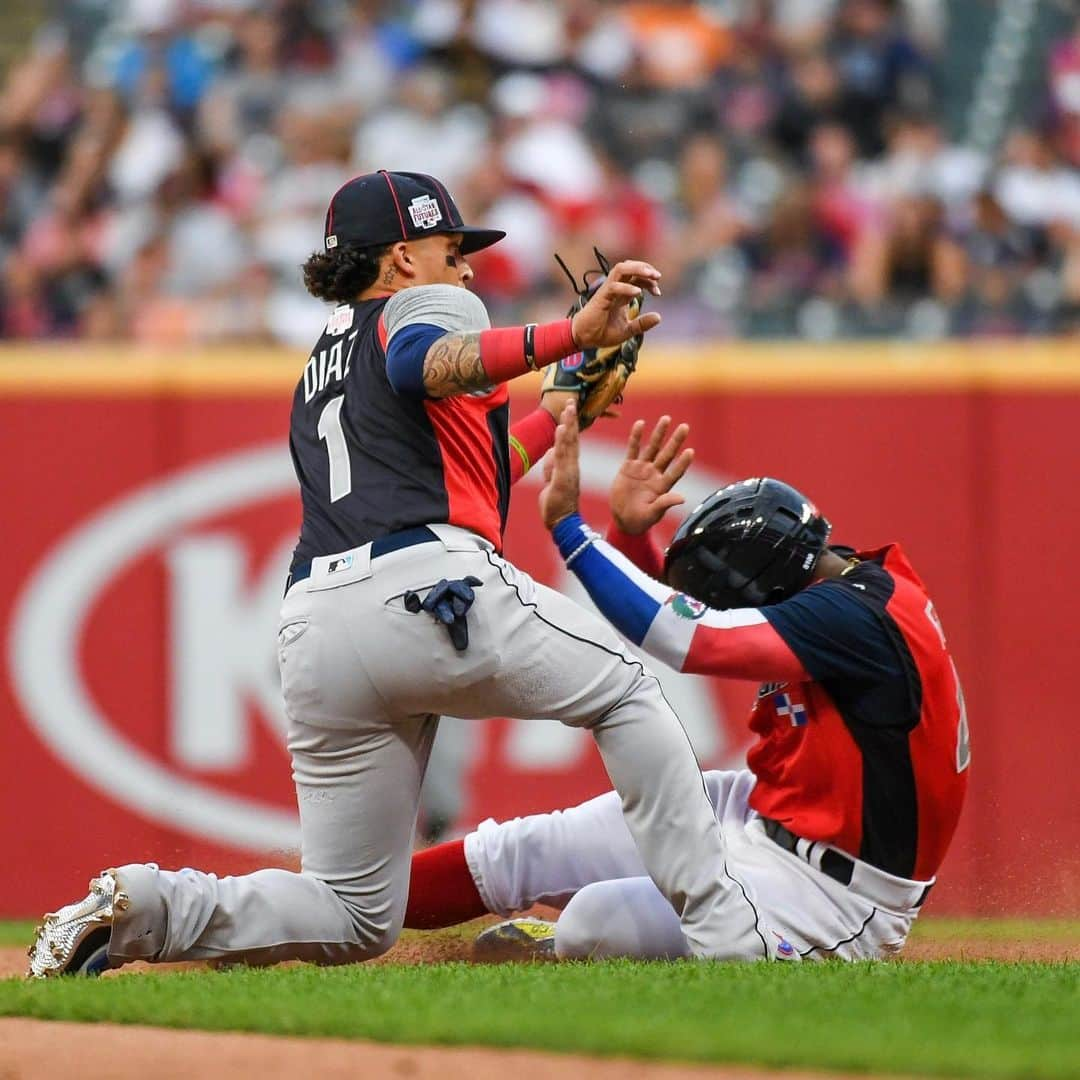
[(870, 752)]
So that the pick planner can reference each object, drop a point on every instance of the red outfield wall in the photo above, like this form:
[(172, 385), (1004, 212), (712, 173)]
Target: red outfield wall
[(149, 511)]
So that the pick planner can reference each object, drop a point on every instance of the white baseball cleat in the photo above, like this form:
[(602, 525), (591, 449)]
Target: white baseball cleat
[(516, 939), (75, 939)]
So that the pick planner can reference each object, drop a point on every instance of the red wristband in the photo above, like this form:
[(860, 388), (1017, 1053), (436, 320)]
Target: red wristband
[(530, 439), (552, 342), (511, 351)]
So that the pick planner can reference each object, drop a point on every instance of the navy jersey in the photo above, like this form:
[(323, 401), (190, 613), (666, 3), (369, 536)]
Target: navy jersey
[(372, 462)]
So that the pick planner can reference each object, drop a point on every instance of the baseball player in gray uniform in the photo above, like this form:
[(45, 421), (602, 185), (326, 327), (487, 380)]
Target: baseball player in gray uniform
[(399, 607)]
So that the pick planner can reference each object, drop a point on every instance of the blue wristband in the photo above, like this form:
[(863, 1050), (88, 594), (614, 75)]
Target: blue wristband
[(570, 534), (622, 601)]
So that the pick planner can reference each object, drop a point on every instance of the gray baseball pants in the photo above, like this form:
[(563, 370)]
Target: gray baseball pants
[(364, 682)]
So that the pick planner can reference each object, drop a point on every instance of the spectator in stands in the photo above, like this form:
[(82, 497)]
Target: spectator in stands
[(782, 153), (707, 215), (157, 47), (20, 196), (1033, 187), (841, 205), (424, 130), (793, 259), (903, 259), (879, 67), (809, 98), (245, 101), (1064, 95), (984, 265)]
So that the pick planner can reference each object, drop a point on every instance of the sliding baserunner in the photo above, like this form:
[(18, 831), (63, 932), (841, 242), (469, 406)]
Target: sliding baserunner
[(835, 831)]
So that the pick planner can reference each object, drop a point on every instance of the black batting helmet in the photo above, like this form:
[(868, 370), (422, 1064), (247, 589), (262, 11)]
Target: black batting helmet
[(752, 543)]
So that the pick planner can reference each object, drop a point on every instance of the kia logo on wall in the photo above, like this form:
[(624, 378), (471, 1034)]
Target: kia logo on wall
[(220, 640)]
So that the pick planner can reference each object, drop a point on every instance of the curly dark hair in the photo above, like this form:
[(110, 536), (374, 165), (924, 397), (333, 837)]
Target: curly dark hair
[(341, 274)]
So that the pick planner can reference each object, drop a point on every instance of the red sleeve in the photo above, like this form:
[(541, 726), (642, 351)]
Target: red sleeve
[(754, 652), (643, 551), (530, 439)]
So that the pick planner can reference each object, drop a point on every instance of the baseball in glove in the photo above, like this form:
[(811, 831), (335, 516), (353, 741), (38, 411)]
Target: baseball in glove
[(597, 376)]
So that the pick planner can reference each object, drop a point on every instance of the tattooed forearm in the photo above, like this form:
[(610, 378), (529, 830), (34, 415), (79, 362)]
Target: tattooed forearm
[(452, 366)]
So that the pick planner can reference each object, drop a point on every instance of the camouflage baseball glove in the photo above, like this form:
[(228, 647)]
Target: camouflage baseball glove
[(597, 376)]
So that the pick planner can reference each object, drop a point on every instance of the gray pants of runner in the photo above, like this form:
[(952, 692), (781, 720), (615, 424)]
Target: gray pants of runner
[(364, 682)]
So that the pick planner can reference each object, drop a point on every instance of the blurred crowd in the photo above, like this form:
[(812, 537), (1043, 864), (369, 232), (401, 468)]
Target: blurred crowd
[(165, 165)]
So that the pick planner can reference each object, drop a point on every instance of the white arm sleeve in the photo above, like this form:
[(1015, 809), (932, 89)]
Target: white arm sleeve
[(450, 307)]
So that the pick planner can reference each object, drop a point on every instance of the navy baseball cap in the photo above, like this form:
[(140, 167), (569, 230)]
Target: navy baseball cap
[(384, 207)]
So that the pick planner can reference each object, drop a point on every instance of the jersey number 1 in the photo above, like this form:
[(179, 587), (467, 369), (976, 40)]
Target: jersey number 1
[(330, 430)]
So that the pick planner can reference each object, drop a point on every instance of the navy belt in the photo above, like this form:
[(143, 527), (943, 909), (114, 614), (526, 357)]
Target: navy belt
[(382, 545), (833, 863)]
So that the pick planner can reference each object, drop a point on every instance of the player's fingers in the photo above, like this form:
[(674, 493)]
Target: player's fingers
[(566, 456), (573, 433), (668, 451), (643, 323), (633, 443), (656, 439), (549, 465), (677, 469), (635, 268), (622, 289), (558, 453), (566, 435), (665, 502), (647, 284)]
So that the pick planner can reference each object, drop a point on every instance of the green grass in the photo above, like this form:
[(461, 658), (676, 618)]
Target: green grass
[(16, 933), (936, 1018), (959, 1019)]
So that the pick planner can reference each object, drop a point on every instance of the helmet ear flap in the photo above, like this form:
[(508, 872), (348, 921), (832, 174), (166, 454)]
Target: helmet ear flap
[(775, 595)]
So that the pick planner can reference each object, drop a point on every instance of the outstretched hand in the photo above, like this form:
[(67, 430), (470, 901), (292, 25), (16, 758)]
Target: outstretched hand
[(562, 474), (641, 492), (607, 319)]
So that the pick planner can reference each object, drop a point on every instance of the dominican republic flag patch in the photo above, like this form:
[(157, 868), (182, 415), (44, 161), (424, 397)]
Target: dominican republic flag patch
[(793, 710)]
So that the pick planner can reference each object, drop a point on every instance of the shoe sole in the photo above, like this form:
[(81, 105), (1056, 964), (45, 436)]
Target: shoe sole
[(507, 943)]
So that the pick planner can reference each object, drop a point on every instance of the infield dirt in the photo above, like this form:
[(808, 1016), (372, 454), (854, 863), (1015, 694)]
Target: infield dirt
[(44, 1050), (437, 946)]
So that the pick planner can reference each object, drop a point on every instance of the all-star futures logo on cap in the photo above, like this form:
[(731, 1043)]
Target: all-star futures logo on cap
[(425, 212), (385, 207)]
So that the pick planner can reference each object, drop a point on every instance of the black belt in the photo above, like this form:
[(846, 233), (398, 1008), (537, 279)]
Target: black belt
[(838, 867), (835, 864), (382, 545)]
